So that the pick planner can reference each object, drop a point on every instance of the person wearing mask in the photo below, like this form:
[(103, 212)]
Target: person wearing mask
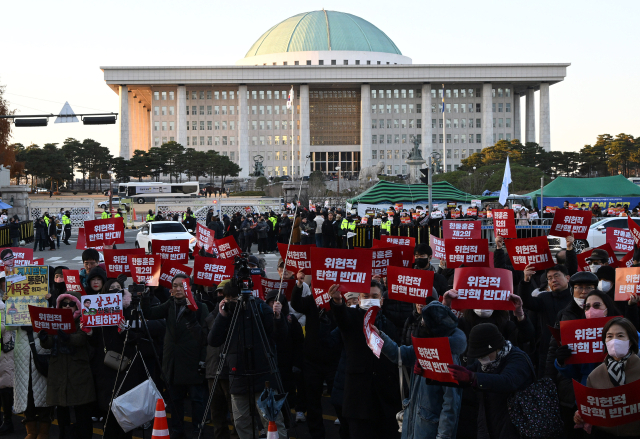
[(353, 299), (372, 392), (329, 237), (262, 230), (59, 287), (40, 234), (422, 254), (70, 380), (432, 410), (284, 226), (621, 366), (500, 370), (7, 375), (385, 226), (319, 219)]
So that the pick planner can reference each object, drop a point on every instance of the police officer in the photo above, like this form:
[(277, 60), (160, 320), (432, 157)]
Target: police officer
[(385, 227), (105, 214), (66, 225), (150, 216)]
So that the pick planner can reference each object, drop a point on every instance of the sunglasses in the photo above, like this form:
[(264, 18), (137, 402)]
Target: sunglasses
[(596, 305), (67, 304)]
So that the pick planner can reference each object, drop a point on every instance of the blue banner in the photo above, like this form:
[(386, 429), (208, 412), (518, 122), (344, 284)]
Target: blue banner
[(604, 202)]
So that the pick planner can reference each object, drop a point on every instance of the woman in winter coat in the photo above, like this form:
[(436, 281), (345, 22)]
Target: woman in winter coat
[(431, 410), (6, 372), (70, 381), (96, 280), (328, 232), (295, 235)]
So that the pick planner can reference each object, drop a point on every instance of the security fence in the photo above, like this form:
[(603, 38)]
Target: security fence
[(26, 233), (81, 210), (221, 206)]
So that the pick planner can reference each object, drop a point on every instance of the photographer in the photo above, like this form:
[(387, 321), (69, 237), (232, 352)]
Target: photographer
[(246, 357), (183, 351)]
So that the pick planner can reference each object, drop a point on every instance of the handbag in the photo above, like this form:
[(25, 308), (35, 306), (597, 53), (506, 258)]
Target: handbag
[(402, 373), (113, 359), (8, 346), (41, 361), (535, 411), (138, 405)]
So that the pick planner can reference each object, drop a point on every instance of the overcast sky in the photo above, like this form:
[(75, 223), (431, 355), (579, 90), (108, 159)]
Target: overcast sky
[(53, 51)]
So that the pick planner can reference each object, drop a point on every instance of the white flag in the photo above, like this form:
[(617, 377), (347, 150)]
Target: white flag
[(506, 180), (290, 100)]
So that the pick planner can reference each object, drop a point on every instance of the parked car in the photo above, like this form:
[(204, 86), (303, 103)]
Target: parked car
[(163, 230), (597, 234), (115, 201)]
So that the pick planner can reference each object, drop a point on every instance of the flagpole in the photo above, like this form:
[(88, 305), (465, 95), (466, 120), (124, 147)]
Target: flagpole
[(292, 111), (444, 136)]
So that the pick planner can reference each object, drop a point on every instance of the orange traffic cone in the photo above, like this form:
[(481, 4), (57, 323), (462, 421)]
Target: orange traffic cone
[(160, 426), (272, 430)]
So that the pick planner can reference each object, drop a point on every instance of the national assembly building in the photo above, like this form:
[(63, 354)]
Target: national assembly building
[(357, 102)]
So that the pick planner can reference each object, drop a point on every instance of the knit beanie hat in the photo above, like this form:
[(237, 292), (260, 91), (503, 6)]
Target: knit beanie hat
[(484, 339)]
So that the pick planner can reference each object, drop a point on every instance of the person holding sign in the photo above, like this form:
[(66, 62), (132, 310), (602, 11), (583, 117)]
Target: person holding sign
[(621, 366), (70, 380)]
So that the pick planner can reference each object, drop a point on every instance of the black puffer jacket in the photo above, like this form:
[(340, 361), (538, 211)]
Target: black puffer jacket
[(290, 349), (409, 327), (397, 312)]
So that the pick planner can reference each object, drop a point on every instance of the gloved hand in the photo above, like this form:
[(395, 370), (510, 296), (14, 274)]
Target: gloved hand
[(461, 374), (42, 335), (562, 354), (63, 335)]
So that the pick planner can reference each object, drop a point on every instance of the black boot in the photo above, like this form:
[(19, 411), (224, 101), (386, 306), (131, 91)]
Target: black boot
[(6, 397)]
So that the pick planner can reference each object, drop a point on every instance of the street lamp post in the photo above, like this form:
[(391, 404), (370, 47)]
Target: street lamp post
[(110, 192), (338, 169)]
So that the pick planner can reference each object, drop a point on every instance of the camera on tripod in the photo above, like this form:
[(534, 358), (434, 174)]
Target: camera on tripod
[(242, 274)]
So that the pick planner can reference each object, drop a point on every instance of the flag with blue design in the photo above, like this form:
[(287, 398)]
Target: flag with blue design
[(290, 99), (442, 98)]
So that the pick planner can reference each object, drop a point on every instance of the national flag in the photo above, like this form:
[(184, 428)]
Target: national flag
[(506, 180), (442, 98), (290, 99)]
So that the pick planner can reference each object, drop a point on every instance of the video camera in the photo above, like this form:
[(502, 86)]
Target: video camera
[(242, 274)]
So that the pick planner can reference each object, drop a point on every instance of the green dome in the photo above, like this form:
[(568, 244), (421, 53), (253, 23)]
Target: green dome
[(323, 30)]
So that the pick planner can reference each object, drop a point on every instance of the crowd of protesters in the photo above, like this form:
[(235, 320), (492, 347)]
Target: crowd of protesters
[(495, 354)]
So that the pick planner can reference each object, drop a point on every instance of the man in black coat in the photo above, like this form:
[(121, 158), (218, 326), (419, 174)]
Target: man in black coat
[(371, 391), (422, 254), (284, 228)]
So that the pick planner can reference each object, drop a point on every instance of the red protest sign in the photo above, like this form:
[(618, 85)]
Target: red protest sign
[(608, 407), (526, 251), (117, 261), (409, 285), (104, 231), (634, 229), (171, 249), (285, 287), (437, 246), (257, 291), (470, 252), (81, 243), (226, 248), (619, 239), (169, 269), (383, 258), (373, 339), (51, 320), (627, 282), (351, 268), (191, 301), (567, 222), (504, 223), (387, 240), (584, 337), (406, 257), (72, 281), (455, 213), (145, 270), (433, 355), (21, 254), (209, 271), (583, 265), (205, 238), (297, 257), (461, 229), (101, 310), (627, 260), (482, 288)]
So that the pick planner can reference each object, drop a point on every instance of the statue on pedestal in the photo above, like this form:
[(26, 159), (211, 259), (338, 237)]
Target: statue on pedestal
[(258, 168)]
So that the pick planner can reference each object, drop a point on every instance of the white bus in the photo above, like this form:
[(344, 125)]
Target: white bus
[(148, 192)]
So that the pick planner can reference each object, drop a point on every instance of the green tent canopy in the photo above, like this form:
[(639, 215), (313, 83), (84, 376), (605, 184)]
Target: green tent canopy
[(617, 186), (390, 193)]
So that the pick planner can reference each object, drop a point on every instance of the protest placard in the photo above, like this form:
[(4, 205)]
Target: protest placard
[(17, 309), (461, 229), (627, 282), (634, 229), (584, 337), (226, 248), (205, 238), (257, 290), (387, 240), (433, 355), (171, 249), (209, 271), (30, 280), (191, 301), (470, 252), (504, 223), (297, 257), (608, 407), (52, 320), (583, 265), (104, 231), (72, 281), (169, 270), (619, 239), (145, 270), (482, 288), (626, 261), (81, 243), (285, 286), (529, 251), (382, 258), (101, 310), (567, 222), (374, 341), (437, 247), (117, 261), (409, 285)]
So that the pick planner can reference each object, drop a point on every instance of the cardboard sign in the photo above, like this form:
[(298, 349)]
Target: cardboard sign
[(461, 229), (32, 280), (171, 250), (205, 238), (257, 291), (409, 285), (567, 222), (374, 341), (504, 223), (634, 229), (627, 260), (472, 211), (145, 270), (525, 251), (470, 252), (226, 248), (436, 214), (209, 271), (437, 246), (584, 337), (619, 239), (397, 240), (72, 281), (191, 301), (17, 309), (608, 407), (455, 214), (406, 259), (627, 282), (51, 320), (382, 258), (297, 258), (551, 209), (117, 261), (285, 286), (101, 310), (583, 265), (169, 270), (433, 355), (104, 231), (81, 243), (482, 288)]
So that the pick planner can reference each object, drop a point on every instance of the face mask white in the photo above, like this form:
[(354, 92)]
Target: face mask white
[(368, 303), (484, 360), (604, 286), (594, 268), (579, 301), (618, 348), (352, 306), (485, 313)]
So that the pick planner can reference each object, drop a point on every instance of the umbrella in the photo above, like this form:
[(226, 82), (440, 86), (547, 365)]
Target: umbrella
[(270, 403), (4, 205)]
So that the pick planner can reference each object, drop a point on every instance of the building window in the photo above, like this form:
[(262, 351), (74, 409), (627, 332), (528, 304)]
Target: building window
[(209, 140), (194, 125), (201, 110), (500, 135), (448, 108), (470, 139), (232, 140), (224, 124), (456, 153), (374, 154), (194, 96), (433, 108), (404, 138), (455, 138), (156, 141), (224, 109), (396, 123), (493, 107), (448, 123), (478, 138), (418, 108), (455, 123), (254, 109), (494, 122), (478, 108), (478, 123), (232, 155), (499, 122), (493, 92), (418, 123), (448, 138), (164, 95), (156, 126), (508, 123), (440, 137), (232, 125), (374, 139), (202, 125), (508, 137), (404, 108), (171, 111), (448, 153), (374, 123), (156, 111), (508, 107), (500, 106), (499, 92), (202, 97), (463, 123), (345, 62), (171, 96), (410, 123), (172, 126), (209, 124), (433, 138), (463, 139), (194, 111), (396, 139), (333, 62), (320, 62), (470, 108)]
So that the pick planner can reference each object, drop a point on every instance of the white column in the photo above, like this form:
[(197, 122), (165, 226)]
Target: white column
[(517, 121), (181, 123), (427, 131), (530, 117), (123, 117), (133, 122), (544, 135), (305, 136), (365, 126), (243, 133), (487, 115), (146, 131)]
